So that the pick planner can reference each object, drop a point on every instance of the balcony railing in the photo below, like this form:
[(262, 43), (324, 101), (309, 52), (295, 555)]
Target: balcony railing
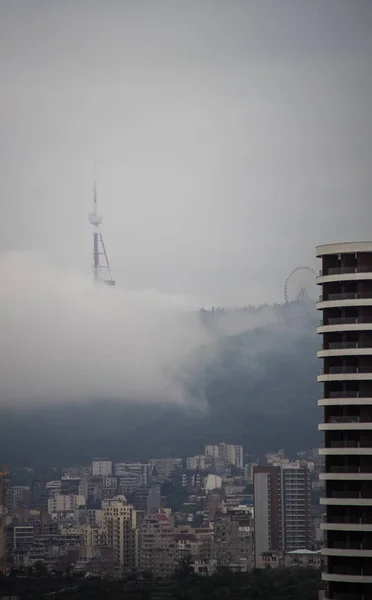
[(348, 394), (350, 520), (350, 494), (344, 271), (346, 296), (348, 444), (350, 545), (338, 596), (351, 369), (345, 321), (345, 345), (348, 469), (350, 570), (346, 419)]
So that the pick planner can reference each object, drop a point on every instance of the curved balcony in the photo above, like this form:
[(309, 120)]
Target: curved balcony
[(345, 425), (344, 271), (346, 422), (347, 577), (345, 349), (347, 550), (349, 498), (348, 448), (350, 373), (347, 524), (344, 299), (346, 296), (345, 398), (351, 473), (346, 597), (336, 274), (343, 324)]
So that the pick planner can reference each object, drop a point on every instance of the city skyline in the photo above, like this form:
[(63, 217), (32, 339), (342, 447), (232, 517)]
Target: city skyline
[(161, 433), (117, 517)]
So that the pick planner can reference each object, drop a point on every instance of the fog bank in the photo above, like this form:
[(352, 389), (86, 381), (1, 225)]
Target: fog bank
[(65, 339)]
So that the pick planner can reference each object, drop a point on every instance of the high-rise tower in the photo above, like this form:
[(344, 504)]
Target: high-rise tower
[(346, 302), (282, 508), (101, 265)]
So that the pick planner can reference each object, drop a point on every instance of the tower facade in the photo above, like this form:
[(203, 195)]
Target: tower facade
[(346, 377), (267, 485), (296, 502)]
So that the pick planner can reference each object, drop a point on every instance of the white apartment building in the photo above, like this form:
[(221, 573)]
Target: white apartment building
[(296, 502), (101, 467), (196, 463), (140, 469), (235, 455), (228, 454), (92, 535), (212, 482), (211, 450), (129, 482), (61, 503), (52, 488), (163, 467)]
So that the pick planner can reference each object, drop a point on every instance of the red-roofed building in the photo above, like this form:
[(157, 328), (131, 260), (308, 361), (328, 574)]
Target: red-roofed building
[(161, 517)]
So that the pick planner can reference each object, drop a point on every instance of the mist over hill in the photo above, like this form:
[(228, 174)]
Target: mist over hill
[(257, 387)]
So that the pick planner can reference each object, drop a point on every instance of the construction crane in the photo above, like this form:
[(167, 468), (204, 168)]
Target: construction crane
[(4, 478)]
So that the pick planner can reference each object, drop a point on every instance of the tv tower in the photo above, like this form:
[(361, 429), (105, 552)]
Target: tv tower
[(101, 265)]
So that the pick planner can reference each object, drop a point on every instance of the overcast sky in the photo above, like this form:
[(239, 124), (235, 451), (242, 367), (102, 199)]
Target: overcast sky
[(230, 137)]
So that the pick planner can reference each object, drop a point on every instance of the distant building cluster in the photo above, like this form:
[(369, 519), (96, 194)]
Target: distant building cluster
[(220, 509)]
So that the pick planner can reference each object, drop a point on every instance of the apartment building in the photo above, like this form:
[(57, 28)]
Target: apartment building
[(65, 503), (196, 463), (101, 467), (346, 399), (226, 454), (234, 538), (268, 510), (161, 468), (157, 545), (282, 497), (142, 470), (296, 504), (119, 532)]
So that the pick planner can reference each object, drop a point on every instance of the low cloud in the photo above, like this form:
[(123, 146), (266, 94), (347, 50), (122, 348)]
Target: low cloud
[(64, 339)]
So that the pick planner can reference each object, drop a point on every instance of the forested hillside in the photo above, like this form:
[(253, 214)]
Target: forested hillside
[(257, 388)]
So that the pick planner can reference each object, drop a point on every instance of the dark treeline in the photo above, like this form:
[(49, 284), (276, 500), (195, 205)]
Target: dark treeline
[(268, 584)]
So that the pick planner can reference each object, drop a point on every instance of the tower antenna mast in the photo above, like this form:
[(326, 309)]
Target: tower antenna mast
[(101, 264)]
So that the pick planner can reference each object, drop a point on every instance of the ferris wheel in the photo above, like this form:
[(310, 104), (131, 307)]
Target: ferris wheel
[(300, 285)]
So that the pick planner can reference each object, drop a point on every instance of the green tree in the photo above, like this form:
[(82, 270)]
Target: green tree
[(40, 569)]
